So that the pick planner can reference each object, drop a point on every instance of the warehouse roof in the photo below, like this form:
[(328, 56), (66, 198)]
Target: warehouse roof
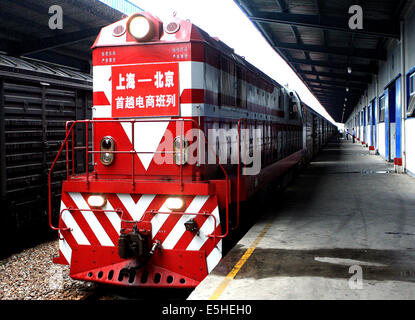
[(314, 37)]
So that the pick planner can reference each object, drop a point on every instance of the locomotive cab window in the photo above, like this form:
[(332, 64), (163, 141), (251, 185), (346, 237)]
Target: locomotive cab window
[(281, 100), (293, 110), (241, 89)]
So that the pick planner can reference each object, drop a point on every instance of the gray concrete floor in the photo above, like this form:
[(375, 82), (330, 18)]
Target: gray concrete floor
[(348, 208)]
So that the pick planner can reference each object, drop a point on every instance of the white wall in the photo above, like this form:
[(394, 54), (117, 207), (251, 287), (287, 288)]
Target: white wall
[(369, 135), (381, 141), (410, 145)]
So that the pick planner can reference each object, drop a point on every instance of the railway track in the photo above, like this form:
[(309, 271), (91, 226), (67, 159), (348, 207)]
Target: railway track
[(106, 292)]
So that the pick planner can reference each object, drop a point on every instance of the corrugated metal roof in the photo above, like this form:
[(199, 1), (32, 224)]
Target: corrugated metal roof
[(26, 68)]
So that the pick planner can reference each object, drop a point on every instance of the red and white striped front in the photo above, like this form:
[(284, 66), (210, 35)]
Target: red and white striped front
[(97, 232)]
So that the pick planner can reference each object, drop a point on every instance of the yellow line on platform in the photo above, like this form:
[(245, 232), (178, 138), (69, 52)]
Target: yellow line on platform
[(222, 286)]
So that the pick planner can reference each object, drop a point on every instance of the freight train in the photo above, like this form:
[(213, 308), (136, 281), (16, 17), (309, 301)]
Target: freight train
[(183, 131), (36, 100)]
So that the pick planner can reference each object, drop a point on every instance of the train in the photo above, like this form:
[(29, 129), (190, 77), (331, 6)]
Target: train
[(37, 98), (183, 131)]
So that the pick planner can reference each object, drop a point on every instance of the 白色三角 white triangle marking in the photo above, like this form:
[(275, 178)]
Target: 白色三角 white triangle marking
[(136, 210), (147, 137)]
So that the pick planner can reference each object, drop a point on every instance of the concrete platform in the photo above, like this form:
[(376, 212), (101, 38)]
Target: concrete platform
[(345, 229)]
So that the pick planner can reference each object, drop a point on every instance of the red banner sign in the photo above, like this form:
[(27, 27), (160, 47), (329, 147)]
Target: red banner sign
[(145, 90)]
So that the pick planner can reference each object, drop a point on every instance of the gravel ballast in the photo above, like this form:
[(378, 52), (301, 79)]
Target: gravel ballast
[(31, 275)]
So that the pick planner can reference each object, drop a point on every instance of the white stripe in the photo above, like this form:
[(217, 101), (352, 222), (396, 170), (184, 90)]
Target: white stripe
[(76, 231), (206, 229), (101, 80), (65, 249), (113, 217), (92, 220), (214, 257), (191, 75), (136, 210), (101, 112), (179, 229), (159, 219)]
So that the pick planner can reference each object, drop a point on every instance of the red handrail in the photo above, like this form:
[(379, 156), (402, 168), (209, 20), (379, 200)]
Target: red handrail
[(50, 178), (87, 152), (238, 174), (205, 213)]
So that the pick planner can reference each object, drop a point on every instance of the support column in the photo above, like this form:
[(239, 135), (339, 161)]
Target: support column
[(387, 133), (398, 115), (372, 148)]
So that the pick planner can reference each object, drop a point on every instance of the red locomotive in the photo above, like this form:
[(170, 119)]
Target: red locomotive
[(152, 204)]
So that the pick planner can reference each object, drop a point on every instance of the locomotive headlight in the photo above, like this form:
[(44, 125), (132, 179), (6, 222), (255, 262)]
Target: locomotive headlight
[(174, 203), (107, 144), (140, 27), (180, 158), (96, 200)]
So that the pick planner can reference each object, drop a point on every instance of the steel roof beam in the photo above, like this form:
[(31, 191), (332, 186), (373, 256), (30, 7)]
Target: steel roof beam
[(349, 103), (336, 96), (346, 76), (372, 54), (338, 101), (327, 89), (339, 105), (339, 84), (334, 107), (378, 28), (336, 87), (365, 68), (329, 85)]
